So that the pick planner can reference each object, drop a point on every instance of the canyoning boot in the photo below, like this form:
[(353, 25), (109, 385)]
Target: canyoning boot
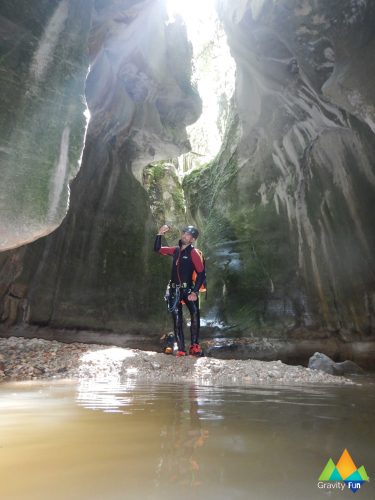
[(195, 350), (168, 343), (180, 353)]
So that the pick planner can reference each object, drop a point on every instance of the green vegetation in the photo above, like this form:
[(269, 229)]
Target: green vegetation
[(247, 244)]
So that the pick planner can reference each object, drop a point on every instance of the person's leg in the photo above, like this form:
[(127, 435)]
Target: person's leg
[(193, 307), (178, 327)]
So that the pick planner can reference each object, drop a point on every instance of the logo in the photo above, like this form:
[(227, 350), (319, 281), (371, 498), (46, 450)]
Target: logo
[(343, 474)]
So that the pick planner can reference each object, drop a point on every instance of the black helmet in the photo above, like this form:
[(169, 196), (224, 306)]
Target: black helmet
[(191, 230)]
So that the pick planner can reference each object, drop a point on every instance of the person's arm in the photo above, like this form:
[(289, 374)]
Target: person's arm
[(157, 244), (201, 273)]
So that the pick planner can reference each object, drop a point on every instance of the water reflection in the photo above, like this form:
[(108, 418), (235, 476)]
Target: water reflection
[(130, 440), (109, 397), (182, 437), (181, 434)]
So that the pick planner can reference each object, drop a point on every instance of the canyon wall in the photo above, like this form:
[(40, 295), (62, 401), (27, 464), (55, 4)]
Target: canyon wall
[(97, 270), (285, 209), (43, 67), (287, 206)]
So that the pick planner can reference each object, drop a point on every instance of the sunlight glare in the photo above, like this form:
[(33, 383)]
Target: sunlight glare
[(190, 9), (212, 73)]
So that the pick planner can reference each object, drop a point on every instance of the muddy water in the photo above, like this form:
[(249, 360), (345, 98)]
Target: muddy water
[(135, 441)]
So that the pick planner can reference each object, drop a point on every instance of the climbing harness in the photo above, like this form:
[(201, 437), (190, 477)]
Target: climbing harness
[(172, 299)]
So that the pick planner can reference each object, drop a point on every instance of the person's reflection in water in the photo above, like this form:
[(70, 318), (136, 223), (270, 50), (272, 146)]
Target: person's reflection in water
[(182, 439)]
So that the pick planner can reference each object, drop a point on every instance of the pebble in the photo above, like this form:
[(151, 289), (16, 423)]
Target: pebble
[(30, 359)]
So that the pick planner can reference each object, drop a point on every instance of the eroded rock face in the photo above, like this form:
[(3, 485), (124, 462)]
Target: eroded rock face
[(98, 269), (166, 196), (138, 89), (287, 207), (43, 46)]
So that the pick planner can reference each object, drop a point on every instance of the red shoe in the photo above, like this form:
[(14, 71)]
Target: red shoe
[(180, 353), (195, 350)]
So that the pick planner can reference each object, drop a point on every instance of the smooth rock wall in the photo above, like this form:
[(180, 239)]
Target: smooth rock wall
[(287, 206), (43, 67)]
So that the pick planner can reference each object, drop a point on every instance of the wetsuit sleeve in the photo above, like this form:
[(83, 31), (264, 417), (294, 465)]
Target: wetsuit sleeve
[(157, 243), (199, 268), (163, 250)]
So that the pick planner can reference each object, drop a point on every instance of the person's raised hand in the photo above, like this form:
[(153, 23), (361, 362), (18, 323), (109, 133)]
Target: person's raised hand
[(163, 229)]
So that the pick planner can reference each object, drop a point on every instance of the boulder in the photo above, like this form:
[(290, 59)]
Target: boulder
[(320, 361), (347, 367)]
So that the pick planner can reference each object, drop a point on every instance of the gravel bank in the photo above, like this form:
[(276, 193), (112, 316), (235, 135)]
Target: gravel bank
[(30, 359)]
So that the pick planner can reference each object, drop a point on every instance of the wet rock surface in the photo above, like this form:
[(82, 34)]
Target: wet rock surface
[(27, 359)]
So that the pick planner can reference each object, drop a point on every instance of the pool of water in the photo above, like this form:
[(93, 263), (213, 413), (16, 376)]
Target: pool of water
[(61, 440)]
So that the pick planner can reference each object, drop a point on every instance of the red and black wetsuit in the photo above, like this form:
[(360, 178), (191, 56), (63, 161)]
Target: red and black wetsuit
[(185, 262)]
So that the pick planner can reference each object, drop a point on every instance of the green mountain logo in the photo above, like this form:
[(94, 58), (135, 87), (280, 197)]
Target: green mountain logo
[(345, 470)]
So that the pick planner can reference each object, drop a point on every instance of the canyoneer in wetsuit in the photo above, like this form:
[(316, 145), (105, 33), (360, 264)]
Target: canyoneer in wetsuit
[(182, 288)]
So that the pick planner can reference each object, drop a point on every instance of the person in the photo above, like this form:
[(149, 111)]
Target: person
[(184, 286)]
